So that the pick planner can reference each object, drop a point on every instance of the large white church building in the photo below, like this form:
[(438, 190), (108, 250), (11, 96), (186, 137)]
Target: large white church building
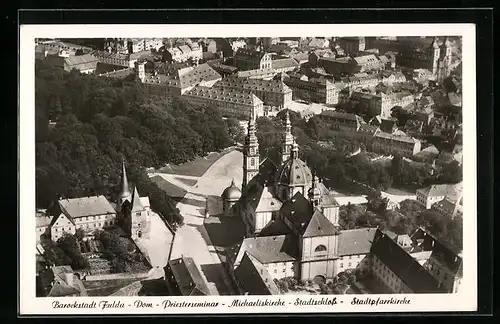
[(291, 218)]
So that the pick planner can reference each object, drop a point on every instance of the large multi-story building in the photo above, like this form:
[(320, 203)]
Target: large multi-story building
[(135, 45), (113, 58), (174, 80), (391, 144), (397, 271), (380, 104), (230, 102), (272, 92), (86, 213), (190, 51), (288, 234), (250, 59), (86, 63), (319, 90), (183, 278), (352, 45)]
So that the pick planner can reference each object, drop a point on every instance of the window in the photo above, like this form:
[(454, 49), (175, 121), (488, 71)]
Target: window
[(341, 266), (252, 162), (275, 270), (138, 214), (320, 248), (349, 265)]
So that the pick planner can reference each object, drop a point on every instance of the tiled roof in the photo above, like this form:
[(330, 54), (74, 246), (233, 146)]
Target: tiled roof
[(447, 258), (284, 63), (81, 59), (275, 227), (403, 265), (446, 204), (271, 249), (188, 277), (221, 94), (249, 53), (86, 206), (319, 225), (183, 76), (298, 211), (253, 84), (356, 241), (294, 172), (254, 278), (438, 190), (393, 137), (339, 115)]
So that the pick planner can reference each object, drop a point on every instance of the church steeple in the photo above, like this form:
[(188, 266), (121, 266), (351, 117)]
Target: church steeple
[(287, 139), (251, 157), (125, 193)]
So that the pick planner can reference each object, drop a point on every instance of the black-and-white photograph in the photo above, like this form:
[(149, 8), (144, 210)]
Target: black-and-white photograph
[(248, 166)]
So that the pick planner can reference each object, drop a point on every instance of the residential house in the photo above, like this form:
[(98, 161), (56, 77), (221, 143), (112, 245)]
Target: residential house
[(59, 281), (319, 90), (434, 193), (86, 213), (184, 278), (386, 143), (43, 222)]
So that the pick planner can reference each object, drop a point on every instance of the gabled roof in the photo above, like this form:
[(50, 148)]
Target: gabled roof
[(356, 241), (254, 278), (188, 277), (403, 265), (447, 258), (271, 249), (319, 225), (267, 202), (136, 202), (298, 211), (275, 227), (86, 206)]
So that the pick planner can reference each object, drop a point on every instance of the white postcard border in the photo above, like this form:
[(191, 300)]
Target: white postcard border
[(31, 305)]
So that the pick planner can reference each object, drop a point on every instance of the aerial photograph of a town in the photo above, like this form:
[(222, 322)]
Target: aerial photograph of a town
[(248, 166)]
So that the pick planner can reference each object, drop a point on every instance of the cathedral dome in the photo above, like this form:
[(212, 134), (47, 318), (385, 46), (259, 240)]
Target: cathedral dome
[(295, 172), (231, 193)]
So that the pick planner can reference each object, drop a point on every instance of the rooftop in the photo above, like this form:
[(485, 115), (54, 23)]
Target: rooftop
[(188, 277), (221, 94), (254, 278), (356, 241), (271, 249), (86, 206)]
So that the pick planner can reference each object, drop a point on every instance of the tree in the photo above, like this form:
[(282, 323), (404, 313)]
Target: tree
[(69, 244)]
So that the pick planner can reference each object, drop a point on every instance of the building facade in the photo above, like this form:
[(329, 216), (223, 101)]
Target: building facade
[(230, 102), (272, 92)]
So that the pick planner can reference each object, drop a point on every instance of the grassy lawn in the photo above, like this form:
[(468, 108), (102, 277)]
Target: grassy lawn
[(189, 182), (196, 167), (170, 189), (106, 287)]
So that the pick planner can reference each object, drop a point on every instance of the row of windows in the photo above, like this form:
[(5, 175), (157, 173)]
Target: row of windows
[(359, 256), (87, 218)]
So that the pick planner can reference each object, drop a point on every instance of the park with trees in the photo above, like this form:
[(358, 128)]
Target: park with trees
[(86, 124)]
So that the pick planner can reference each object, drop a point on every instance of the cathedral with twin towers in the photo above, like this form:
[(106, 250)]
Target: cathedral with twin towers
[(291, 218)]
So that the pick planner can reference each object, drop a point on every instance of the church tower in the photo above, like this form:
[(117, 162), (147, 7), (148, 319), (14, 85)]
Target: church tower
[(287, 139), (251, 157), (444, 62), (435, 56), (125, 194), (315, 193)]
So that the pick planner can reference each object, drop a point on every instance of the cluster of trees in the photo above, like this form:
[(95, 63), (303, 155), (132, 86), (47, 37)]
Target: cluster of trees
[(66, 251), (404, 220), (118, 250), (99, 121), (335, 164)]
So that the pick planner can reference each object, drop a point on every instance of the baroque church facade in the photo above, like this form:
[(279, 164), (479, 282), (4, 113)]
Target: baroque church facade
[(291, 218)]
